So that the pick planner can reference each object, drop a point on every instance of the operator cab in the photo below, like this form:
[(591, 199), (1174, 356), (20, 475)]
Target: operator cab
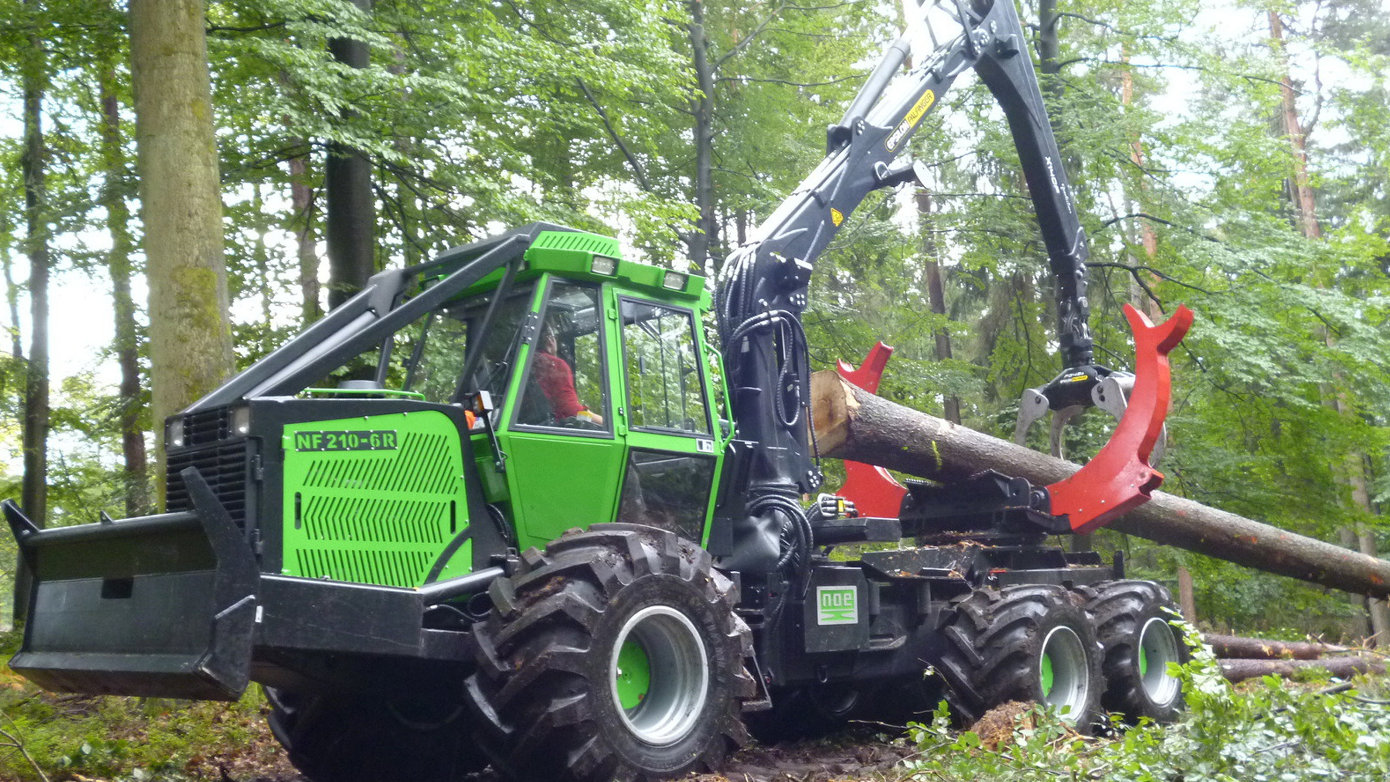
[(603, 388)]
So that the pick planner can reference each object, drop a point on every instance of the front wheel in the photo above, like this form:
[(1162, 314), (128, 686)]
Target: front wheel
[(1022, 643), (615, 655), (362, 738)]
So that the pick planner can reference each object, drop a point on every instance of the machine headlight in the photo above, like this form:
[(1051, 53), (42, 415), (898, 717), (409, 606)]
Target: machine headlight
[(674, 280), (604, 265), (241, 421), (173, 433)]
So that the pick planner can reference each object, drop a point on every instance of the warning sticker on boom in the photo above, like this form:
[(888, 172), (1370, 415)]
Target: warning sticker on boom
[(382, 440), (837, 605)]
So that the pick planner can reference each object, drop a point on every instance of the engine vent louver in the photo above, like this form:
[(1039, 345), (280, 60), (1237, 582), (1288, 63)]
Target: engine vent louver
[(374, 516)]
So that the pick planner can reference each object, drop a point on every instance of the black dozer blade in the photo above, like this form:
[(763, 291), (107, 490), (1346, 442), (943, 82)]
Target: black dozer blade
[(156, 606)]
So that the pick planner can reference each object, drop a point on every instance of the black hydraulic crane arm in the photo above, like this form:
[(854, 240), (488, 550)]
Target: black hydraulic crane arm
[(763, 285)]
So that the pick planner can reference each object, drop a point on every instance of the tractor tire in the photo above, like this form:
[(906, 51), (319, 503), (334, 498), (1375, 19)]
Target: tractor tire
[(615, 655), (1135, 627), (1022, 643), (345, 738)]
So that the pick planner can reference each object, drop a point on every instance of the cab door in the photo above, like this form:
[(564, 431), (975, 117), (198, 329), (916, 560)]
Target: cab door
[(563, 458), (672, 460)]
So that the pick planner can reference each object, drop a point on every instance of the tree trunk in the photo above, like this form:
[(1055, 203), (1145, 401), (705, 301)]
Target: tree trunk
[(1260, 649), (1187, 599), (33, 165), (302, 204), (11, 290), (853, 424), (351, 205), (190, 338), (1303, 197), (702, 107), (1380, 618), (135, 474), (1240, 670), (936, 296)]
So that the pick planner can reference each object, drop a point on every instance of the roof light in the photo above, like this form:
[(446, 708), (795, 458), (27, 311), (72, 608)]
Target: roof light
[(604, 265), (674, 280)]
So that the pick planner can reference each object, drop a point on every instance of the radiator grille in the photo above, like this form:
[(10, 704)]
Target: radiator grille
[(207, 427), (226, 469)]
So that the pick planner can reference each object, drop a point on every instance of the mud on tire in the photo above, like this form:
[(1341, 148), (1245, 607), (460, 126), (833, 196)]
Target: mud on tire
[(344, 738), (617, 655), (1022, 643), (1133, 621)]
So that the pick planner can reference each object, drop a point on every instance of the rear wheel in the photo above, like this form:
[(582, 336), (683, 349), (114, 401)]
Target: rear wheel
[(347, 738), (615, 655), (1023, 643), (1134, 622)]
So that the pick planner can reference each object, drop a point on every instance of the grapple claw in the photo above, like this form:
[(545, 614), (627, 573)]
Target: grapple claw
[(1120, 477)]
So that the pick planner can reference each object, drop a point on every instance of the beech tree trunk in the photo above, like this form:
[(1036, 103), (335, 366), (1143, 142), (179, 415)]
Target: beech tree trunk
[(1260, 649), (702, 110), (34, 166), (181, 207), (302, 222), (1240, 670), (135, 471), (351, 205), (853, 424)]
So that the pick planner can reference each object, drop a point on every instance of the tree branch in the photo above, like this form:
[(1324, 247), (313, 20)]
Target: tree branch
[(1134, 272), (632, 161), (750, 79), (747, 39)]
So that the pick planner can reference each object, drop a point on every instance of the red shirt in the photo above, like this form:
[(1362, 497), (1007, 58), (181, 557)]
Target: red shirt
[(556, 380)]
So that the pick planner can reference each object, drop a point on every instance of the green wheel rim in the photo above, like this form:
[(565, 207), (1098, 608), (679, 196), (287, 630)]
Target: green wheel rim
[(1158, 642), (659, 675), (1064, 674), (634, 675)]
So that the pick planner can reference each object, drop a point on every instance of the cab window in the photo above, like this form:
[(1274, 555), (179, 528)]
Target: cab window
[(565, 383), (665, 387), (438, 346)]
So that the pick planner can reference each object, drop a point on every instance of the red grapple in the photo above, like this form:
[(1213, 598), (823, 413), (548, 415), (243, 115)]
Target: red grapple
[(872, 489), (1119, 478)]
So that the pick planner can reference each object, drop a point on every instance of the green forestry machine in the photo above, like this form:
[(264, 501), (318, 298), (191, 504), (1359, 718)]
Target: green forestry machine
[(509, 507)]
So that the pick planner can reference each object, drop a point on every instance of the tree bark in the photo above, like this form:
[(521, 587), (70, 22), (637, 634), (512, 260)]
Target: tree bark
[(302, 206), (1240, 670), (135, 471), (34, 438), (853, 424), (1234, 646), (702, 107), (936, 296), (1187, 599), (351, 205), (34, 488), (1380, 617), (11, 290), (180, 195)]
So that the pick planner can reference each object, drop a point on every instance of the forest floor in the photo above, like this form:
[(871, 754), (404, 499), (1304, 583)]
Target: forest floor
[(1259, 729)]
